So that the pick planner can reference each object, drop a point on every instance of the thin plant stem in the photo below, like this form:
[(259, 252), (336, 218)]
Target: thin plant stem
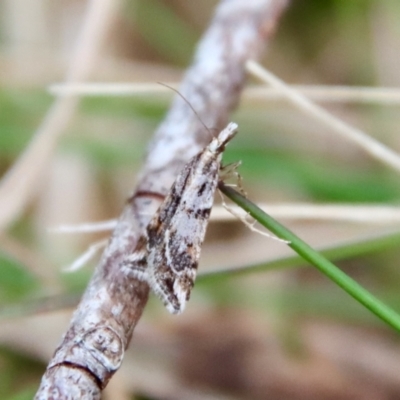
[(348, 284)]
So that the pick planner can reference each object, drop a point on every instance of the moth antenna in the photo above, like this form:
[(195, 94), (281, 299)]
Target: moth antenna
[(187, 102)]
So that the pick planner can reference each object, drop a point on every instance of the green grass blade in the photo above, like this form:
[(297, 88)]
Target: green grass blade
[(355, 290)]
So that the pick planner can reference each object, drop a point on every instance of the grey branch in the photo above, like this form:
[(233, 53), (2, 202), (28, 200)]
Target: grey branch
[(101, 328)]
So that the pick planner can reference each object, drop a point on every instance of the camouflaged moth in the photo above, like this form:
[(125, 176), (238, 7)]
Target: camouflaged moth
[(167, 254)]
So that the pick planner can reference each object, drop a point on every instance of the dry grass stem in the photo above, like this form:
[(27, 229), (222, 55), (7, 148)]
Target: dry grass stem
[(368, 214), (320, 93), (364, 141)]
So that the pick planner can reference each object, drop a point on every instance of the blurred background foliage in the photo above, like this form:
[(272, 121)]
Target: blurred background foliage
[(286, 157)]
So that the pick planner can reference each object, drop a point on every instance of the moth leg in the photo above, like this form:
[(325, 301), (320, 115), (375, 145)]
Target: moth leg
[(249, 224), (230, 171), (135, 265)]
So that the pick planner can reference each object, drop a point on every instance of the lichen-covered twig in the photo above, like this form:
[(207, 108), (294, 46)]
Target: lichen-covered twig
[(101, 328)]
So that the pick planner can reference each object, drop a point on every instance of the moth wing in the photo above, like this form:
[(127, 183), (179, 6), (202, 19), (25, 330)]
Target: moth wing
[(177, 231)]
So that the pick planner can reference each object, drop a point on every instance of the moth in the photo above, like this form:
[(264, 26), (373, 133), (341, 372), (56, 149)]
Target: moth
[(168, 252)]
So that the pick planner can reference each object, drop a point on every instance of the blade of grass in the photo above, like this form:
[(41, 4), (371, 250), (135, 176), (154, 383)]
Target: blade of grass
[(355, 290)]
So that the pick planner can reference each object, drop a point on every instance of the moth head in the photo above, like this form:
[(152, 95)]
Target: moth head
[(218, 144)]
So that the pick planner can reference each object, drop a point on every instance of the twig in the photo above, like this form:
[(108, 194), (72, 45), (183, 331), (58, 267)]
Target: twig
[(102, 326)]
